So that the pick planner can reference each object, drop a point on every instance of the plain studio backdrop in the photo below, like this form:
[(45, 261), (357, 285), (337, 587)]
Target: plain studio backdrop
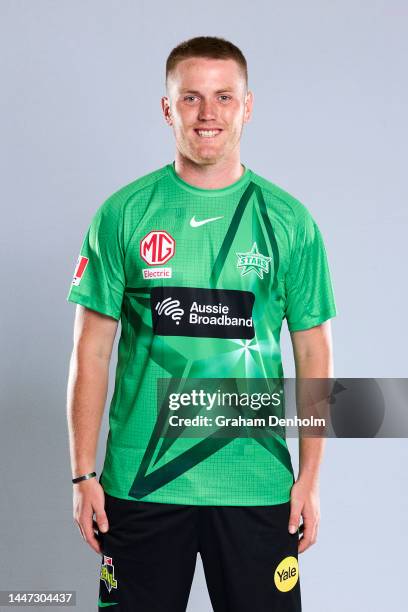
[(81, 117)]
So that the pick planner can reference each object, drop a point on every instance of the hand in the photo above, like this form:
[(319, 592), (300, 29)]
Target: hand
[(89, 498), (305, 502)]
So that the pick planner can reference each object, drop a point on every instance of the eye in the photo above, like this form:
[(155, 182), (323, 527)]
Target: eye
[(225, 98), (189, 98)]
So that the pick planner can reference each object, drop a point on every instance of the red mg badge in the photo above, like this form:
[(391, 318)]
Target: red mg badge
[(157, 247)]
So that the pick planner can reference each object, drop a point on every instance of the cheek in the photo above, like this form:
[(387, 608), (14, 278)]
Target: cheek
[(183, 117), (235, 116), (179, 127), (236, 126)]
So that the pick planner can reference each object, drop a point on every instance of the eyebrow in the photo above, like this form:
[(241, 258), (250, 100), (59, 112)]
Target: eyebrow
[(194, 91)]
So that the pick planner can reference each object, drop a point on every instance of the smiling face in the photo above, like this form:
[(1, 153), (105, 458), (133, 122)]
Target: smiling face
[(207, 106)]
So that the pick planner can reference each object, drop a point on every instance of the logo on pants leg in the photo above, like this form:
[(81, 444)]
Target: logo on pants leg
[(108, 574), (287, 574)]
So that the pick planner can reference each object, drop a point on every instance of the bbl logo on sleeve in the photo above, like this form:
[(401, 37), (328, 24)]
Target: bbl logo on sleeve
[(108, 574), (79, 270)]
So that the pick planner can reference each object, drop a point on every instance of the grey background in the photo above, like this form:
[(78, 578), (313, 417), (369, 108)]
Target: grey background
[(81, 117)]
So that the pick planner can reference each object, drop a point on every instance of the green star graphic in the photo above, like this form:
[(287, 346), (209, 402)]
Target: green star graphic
[(253, 261)]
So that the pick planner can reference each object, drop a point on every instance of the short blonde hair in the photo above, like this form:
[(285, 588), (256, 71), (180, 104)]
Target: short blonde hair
[(206, 46)]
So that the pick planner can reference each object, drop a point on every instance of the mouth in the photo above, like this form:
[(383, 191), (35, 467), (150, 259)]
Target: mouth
[(201, 133)]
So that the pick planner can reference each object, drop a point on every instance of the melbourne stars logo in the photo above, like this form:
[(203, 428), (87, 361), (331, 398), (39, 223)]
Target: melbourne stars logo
[(253, 261), (108, 573)]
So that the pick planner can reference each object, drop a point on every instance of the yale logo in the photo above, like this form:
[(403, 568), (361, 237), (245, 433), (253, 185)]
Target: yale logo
[(286, 574)]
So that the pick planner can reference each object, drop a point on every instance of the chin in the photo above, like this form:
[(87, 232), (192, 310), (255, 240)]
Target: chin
[(209, 157)]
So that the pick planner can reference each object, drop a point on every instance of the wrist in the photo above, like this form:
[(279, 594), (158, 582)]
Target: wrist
[(311, 477), (83, 477)]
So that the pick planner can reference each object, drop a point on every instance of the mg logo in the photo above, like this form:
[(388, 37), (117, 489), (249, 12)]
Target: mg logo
[(157, 247)]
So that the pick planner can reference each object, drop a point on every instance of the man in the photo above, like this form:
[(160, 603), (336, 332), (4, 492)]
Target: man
[(201, 260)]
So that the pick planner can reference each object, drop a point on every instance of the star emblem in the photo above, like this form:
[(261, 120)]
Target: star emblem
[(253, 261)]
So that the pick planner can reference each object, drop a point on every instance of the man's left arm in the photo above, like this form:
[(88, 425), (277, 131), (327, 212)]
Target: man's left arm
[(312, 349)]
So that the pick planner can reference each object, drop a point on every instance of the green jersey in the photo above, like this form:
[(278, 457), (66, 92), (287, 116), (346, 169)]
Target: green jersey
[(201, 280)]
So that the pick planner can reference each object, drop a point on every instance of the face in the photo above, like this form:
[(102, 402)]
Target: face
[(207, 106)]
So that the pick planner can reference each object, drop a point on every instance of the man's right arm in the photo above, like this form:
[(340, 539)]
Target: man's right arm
[(94, 334)]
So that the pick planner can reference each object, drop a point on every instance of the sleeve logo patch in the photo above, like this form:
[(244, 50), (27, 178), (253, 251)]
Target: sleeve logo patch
[(79, 270)]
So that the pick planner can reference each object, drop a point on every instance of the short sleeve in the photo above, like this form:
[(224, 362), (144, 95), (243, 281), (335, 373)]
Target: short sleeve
[(309, 291), (99, 277)]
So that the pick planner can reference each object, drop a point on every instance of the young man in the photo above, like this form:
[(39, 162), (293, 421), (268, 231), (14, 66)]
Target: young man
[(201, 260)]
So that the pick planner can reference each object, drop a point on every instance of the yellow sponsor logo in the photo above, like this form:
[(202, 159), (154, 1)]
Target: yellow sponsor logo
[(108, 574), (286, 574)]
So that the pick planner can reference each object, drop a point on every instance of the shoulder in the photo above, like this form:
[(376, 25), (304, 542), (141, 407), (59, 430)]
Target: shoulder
[(115, 204), (278, 199)]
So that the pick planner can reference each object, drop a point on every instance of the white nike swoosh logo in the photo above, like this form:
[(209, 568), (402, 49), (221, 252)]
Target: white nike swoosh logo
[(195, 223)]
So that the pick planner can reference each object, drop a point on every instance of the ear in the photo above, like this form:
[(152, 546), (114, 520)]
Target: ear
[(165, 104), (249, 102)]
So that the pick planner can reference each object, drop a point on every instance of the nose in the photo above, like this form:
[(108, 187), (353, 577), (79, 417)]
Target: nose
[(206, 110)]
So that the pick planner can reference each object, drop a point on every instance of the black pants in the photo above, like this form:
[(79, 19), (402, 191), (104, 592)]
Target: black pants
[(150, 551)]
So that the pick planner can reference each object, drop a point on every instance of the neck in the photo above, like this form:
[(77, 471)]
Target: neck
[(211, 176)]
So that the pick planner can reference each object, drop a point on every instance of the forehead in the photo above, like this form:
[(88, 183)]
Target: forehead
[(202, 73)]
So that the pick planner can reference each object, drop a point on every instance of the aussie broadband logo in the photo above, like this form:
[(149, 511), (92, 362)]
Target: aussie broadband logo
[(108, 573), (287, 574), (207, 313), (170, 308)]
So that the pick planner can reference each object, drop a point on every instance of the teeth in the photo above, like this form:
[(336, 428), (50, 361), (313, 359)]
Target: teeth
[(207, 133)]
